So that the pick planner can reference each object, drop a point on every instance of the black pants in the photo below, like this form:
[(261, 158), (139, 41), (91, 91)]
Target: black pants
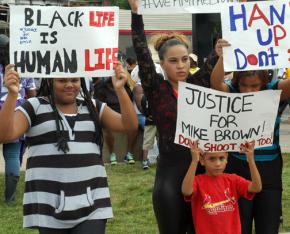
[(173, 214), (265, 209), (96, 226)]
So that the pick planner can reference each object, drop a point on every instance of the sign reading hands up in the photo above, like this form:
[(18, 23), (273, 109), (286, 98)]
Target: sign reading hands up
[(259, 34), (64, 41)]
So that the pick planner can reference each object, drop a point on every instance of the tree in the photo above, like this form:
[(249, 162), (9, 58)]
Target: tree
[(120, 3)]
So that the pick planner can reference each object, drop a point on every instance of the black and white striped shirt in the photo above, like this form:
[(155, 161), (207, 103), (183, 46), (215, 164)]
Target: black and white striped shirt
[(62, 190)]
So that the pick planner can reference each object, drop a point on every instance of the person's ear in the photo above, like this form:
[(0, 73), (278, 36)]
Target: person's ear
[(201, 159), (227, 157)]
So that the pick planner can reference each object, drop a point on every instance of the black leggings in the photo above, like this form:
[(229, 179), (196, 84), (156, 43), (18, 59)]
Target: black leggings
[(265, 209), (173, 214), (96, 226)]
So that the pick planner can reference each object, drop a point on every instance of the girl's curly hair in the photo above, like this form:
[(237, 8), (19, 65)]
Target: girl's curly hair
[(168, 40)]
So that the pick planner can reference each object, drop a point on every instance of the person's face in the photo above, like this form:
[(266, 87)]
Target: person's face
[(176, 63), (214, 163), (250, 84), (130, 67), (66, 89)]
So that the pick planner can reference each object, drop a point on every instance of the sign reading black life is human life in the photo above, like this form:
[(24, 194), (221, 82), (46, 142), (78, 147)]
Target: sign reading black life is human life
[(55, 41), (225, 121)]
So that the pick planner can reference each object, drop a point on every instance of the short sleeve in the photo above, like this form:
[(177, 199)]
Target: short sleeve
[(100, 106), (242, 186), (28, 109)]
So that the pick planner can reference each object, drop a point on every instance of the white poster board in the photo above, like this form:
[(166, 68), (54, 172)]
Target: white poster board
[(223, 121), (259, 34), (157, 7), (55, 41)]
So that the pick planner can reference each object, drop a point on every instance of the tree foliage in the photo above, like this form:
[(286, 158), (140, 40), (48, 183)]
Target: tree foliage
[(120, 3)]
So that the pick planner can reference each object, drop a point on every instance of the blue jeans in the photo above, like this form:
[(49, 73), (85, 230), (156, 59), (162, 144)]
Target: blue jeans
[(11, 153)]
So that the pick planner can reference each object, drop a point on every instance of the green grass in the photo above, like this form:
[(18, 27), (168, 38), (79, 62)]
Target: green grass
[(131, 191)]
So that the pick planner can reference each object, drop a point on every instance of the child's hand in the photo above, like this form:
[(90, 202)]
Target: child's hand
[(248, 149), (195, 151), (219, 46), (120, 79), (11, 79)]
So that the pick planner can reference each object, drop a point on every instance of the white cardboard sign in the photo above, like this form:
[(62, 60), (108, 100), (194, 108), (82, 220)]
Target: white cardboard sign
[(224, 121), (55, 41), (157, 7), (259, 34)]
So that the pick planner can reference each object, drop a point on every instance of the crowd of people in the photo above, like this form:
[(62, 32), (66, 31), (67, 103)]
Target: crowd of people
[(66, 121)]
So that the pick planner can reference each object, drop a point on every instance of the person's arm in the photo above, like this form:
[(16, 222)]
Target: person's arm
[(284, 85), (13, 124), (218, 73), (127, 120), (147, 71), (256, 184), (138, 94), (187, 184)]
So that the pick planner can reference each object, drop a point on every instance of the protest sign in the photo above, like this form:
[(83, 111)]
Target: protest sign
[(224, 121), (157, 7), (258, 33), (55, 41)]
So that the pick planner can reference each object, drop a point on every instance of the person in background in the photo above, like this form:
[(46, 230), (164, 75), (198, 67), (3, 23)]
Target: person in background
[(266, 215), (150, 131), (66, 189), (104, 91), (214, 195), (193, 64), (131, 63), (287, 73), (13, 151)]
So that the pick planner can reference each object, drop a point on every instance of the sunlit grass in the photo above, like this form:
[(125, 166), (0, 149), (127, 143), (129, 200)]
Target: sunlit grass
[(131, 191)]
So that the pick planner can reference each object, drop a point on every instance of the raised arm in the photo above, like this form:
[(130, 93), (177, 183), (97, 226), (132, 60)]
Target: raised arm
[(218, 73), (13, 124), (284, 85), (256, 184), (127, 120), (187, 184), (146, 65)]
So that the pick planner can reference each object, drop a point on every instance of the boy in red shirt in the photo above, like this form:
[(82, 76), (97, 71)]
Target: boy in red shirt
[(214, 195)]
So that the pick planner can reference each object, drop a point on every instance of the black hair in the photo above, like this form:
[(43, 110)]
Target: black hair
[(4, 50), (131, 61), (46, 90)]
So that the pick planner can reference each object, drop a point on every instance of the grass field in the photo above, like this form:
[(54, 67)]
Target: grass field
[(131, 190)]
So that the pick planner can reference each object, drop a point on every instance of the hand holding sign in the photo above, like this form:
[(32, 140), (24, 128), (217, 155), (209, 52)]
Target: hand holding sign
[(120, 79), (248, 149), (11, 80), (134, 5), (195, 151), (219, 46)]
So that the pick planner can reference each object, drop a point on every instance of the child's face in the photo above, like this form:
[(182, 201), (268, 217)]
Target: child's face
[(214, 163), (66, 89), (250, 84)]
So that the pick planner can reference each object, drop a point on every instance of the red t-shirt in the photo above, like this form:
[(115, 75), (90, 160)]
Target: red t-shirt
[(215, 203)]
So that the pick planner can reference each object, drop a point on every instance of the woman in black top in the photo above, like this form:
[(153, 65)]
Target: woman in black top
[(172, 213)]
